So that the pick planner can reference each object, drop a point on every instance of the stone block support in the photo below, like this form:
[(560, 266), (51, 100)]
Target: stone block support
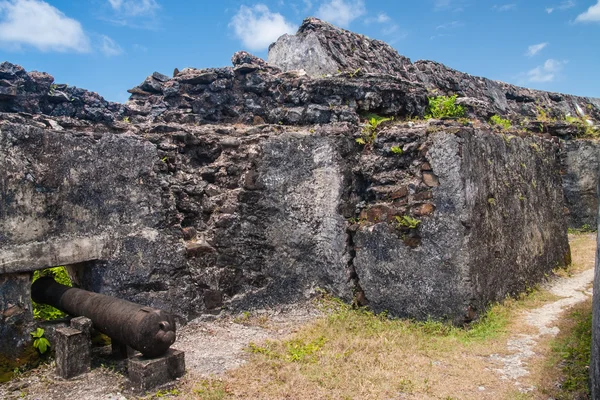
[(147, 373), (73, 349)]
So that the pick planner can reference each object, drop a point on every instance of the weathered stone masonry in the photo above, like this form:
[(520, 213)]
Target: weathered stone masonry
[(244, 187)]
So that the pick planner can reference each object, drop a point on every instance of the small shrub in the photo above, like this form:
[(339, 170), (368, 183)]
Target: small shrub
[(444, 107), (299, 351), (212, 389), (586, 128), (44, 311), (40, 342), (542, 115), (369, 132), (407, 221), (396, 150), (498, 121)]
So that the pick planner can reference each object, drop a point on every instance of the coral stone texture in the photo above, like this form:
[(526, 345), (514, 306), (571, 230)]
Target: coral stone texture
[(487, 236), (244, 187)]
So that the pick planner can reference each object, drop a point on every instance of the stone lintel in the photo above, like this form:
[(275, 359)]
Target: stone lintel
[(34, 256)]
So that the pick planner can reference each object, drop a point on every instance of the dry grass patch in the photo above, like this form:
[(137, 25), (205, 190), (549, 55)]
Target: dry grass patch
[(583, 252), (354, 354)]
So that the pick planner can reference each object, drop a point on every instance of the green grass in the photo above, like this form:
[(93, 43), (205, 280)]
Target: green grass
[(44, 311), (211, 389), (572, 352)]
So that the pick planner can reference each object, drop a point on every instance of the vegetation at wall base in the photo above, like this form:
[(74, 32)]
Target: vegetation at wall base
[(44, 311), (568, 365)]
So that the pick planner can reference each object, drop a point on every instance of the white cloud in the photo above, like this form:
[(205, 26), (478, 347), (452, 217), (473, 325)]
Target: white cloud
[(591, 15), (109, 47), (505, 7), (565, 5), (546, 72), (139, 48), (450, 25), (38, 24), (440, 5), (535, 48), (257, 27), (441, 35), (390, 29), (134, 8), (341, 12), (381, 18)]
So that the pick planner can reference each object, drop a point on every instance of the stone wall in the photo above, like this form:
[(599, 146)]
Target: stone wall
[(595, 351), (319, 48), (482, 234), (244, 187), (198, 219), (580, 181)]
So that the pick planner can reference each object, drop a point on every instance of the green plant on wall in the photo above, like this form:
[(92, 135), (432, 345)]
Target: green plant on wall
[(444, 107), (44, 311), (396, 150), (586, 127), (39, 341), (407, 221), (496, 120), (369, 132)]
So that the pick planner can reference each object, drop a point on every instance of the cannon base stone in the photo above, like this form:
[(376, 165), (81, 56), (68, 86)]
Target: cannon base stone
[(147, 373), (73, 353)]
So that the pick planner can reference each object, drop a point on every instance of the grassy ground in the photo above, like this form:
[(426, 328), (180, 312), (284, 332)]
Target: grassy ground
[(353, 354), (566, 371)]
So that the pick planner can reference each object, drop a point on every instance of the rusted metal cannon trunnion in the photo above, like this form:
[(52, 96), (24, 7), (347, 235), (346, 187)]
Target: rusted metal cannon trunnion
[(148, 330)]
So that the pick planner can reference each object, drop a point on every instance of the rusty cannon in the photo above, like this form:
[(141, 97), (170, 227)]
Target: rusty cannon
[(148, 330)]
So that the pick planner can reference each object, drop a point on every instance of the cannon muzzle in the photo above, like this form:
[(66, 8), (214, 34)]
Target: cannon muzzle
[(148, 330)]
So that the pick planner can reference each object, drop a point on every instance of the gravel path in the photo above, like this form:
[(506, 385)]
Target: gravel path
[(544, 319)]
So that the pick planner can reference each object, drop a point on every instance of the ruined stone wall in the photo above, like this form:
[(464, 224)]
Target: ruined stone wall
[(595, 351), (197, 219), (243, 187), (320, 48), (580, 181), (482, 234)]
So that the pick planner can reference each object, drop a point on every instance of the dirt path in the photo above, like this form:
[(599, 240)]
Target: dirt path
[(544, 320)]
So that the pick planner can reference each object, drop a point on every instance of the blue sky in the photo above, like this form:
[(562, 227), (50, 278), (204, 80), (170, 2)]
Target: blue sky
[(109, 46)]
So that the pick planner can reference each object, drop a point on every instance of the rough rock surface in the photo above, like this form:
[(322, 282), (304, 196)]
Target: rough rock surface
[(580, 182), (595, 351), (16, 318), (245, 187), (36, 93), (476, 196), (321, 48)]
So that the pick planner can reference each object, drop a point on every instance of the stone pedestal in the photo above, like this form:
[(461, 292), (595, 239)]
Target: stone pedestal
[(73, 352), (147, 373)]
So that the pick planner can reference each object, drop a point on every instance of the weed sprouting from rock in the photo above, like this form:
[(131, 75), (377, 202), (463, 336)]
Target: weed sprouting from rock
[(444, 107)]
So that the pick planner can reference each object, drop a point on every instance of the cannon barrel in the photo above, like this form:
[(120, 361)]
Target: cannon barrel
[(146, 329)]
